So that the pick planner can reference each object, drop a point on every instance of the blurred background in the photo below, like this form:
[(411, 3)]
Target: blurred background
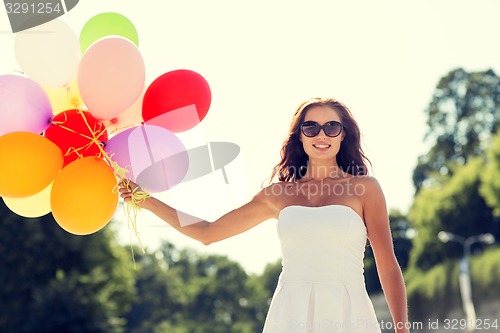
[(420, 78)]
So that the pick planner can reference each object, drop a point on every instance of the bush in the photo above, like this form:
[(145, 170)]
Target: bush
[(435, 293)]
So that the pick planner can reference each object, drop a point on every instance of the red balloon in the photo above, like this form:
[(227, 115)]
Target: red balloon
[(182, 91), (73, 131)]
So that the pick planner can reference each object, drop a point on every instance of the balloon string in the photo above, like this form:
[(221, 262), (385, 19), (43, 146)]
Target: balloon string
[(132, 207), (75, 101)]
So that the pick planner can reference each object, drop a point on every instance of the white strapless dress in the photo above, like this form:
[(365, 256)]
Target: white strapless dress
[(321, 288)]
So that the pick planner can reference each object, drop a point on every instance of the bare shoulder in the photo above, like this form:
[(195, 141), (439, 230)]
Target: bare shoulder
[(370, 189), (370, 183), (274, 191), (271, 196)]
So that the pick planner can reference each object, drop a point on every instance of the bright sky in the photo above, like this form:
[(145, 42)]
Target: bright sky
[(261, 59)]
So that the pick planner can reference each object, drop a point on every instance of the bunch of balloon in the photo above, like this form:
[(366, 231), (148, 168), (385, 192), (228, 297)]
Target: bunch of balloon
[(54, 117), (110, 78), (82, 116)]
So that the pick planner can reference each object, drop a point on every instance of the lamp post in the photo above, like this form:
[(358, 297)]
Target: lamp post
[(464, 276)]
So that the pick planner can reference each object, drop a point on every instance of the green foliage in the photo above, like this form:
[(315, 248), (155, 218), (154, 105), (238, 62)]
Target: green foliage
[(54, 281), (462, 116), (438, 288), (269, 278), (485, 272), (159, 296), (184, 291), (490, 187), (401, 234), (58, 282), (457, 188), (434, 289), (457, 207)]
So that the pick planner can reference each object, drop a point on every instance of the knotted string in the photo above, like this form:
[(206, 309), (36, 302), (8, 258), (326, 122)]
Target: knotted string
[(131, 207)]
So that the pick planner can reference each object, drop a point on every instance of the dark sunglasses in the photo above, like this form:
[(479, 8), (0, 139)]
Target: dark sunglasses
[(311, 128)]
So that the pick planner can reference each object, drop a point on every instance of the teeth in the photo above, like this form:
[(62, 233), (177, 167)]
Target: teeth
[(322, 146)]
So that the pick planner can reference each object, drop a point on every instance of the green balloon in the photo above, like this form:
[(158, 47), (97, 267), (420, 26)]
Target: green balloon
[(106, 24)]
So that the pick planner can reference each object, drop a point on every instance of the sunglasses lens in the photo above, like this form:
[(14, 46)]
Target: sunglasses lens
[(333, 129), (310, 130)]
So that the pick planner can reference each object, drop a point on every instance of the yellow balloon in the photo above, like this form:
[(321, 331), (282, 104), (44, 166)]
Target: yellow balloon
[(83, 197), (64, 98), (33, 206)]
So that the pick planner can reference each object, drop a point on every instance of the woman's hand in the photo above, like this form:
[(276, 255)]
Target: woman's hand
[(130, 192)]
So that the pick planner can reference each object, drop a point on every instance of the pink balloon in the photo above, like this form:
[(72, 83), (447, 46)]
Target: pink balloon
[(24, 105), (154, 157), (111, 76), (129, 118)]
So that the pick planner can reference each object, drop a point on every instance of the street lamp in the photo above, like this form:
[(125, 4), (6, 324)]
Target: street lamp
[(464, 277)]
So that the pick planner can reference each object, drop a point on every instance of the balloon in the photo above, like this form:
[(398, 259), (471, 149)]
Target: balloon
[(49, 53), (83, 199), (35, 205), (106, 24), (172, 91), (154, 157), (129, 118), (111, 76), (64, 98), (73, 131), (30, 163), (24, 106)]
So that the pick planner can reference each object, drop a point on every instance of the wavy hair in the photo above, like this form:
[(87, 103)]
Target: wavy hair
[(294, 160)]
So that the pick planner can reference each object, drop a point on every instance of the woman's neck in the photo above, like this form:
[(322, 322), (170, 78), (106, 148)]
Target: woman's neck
[(322, 170)]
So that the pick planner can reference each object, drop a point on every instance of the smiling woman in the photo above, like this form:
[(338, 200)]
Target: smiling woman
[(326, 206), (337, 120)]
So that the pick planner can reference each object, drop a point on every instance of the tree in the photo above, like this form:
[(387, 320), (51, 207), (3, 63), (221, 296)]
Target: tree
[(54, 281), (456, 206), (161, 295), (270, 276), (220, 297), (263, 287), (462, 116), (490, 186), (184, 291)]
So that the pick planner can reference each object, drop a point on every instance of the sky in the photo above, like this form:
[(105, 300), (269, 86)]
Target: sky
[(383, 59)]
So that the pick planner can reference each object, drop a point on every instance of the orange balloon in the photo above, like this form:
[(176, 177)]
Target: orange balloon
[(30, 162), (83, 199)]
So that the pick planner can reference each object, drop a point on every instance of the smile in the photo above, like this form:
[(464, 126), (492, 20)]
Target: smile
[(322, 146)]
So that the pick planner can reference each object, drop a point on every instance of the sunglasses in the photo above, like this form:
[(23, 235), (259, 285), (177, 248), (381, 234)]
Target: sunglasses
[(311, 128)]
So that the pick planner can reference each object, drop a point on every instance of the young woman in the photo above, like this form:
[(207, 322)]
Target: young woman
[(327, 207)]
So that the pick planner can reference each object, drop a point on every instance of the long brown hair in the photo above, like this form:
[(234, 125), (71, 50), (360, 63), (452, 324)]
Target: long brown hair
[(294, 160)]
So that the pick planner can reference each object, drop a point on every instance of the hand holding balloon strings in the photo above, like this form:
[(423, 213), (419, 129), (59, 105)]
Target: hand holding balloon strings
[(132, 193)]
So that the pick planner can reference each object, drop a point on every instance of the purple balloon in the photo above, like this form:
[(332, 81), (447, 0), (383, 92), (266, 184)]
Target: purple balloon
[(24, 105), (153, 156)]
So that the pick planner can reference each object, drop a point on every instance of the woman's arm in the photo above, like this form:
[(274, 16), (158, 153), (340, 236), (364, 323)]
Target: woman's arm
[(389, 271), (235, 222)]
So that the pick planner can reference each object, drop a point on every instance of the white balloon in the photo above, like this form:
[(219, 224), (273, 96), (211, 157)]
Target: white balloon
[(49, 53)]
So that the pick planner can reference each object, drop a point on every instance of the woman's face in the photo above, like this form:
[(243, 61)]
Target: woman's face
[(321, 146)]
